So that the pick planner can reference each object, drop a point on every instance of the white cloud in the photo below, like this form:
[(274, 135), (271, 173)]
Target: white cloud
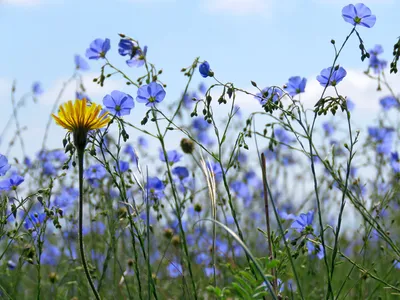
[(238, 7)]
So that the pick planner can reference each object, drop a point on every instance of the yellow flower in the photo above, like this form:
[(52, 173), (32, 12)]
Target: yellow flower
[(79, 118)]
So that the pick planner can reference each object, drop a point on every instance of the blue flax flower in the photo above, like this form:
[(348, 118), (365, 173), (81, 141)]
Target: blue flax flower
[(377, 64), (98, 49), (155, 188), (80, 63), (358, 14), (334, 78), (268, 93), (175, 269), (205, 70), (150, 94), (11, 183), (378, 49), (37, 89), (119, 103), (123, 166), (143, 142), (199, 124), (296, 85), (138, 59), (303, 221), (388, 102), (181, 172), (4, 166), (395, 162), (313, 249), (96, 171), (328, 128), (172, 155), (127, 47), (383, 137)]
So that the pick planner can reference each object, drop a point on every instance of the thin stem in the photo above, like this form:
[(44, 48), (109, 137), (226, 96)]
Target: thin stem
[(80, 225), (271, 251)]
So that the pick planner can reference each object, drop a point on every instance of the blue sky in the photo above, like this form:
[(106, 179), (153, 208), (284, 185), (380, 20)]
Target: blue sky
[(262, 40)]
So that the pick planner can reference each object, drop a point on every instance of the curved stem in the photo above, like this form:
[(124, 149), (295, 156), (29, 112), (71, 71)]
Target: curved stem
[(81, 248)]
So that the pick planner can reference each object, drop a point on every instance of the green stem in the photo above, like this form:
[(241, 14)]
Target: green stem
[(81, 248)]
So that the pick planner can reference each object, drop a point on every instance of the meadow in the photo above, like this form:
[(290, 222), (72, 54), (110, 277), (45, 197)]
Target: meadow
[(198, 200)]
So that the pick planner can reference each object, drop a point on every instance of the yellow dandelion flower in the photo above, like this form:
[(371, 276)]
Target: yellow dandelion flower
[(79, 118)]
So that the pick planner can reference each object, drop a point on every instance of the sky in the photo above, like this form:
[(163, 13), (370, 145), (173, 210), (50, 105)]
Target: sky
[(266, 41)]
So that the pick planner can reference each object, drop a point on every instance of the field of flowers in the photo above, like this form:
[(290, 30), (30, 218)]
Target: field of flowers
[(285, 203)]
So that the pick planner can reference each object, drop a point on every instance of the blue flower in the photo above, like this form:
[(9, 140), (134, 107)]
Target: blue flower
[(181, 172), (296, 85), (66, 198), (143, 142), (200, 124), (282, 136), (172, 155), (285, 216), (383, 137), (123, 166), (96, 171), (303, 221), (204, 138), (334, 78), (241, 190), (127, 47), (378, 65), (388, 102), (395, 162), (378, 49), (4, 166), (119, 103), (175, 269), (48, 168), (318, 250), (268, 93), (98, 49), (11, 183), (37, 89), (358, 14), (80, 63), (155, 188), (328, 128), (138, 59), (27, 162), (205, 70), (150, 94), (34, 220)]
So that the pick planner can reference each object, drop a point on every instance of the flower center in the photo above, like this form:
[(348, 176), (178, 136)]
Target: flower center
[(357, 20), (152, 99), (117, 107)]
